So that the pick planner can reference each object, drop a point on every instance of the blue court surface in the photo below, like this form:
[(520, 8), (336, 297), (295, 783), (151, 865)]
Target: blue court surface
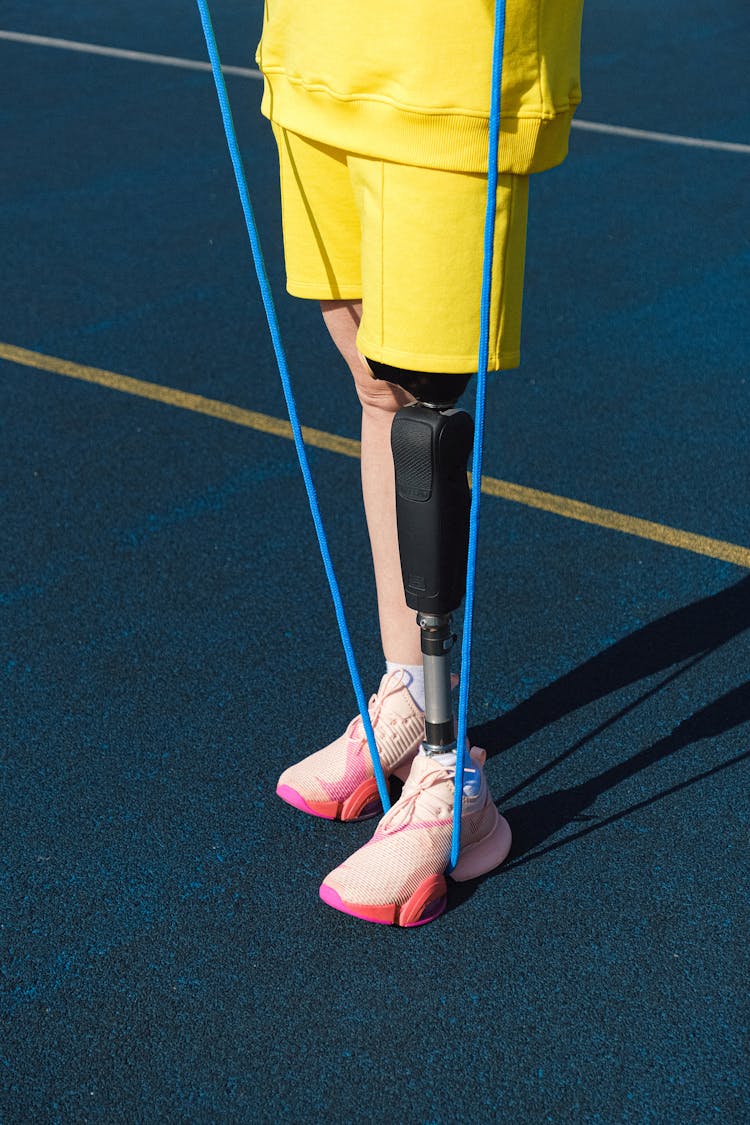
[(168, 646)]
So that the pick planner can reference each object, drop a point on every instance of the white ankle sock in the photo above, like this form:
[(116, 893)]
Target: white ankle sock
[(414, 680)]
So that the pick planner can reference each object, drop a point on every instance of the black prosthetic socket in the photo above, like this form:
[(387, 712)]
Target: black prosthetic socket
[(431, 448), (430, 454), (439, 389)]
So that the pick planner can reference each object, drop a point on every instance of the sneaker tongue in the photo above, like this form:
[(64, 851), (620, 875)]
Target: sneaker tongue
[(401, 704), (391, 681), (423, 795), (423, 767), (394, 689)]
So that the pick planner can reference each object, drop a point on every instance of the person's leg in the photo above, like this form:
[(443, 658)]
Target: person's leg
[(380, 401), (322, 254), (421, 283), (322, 250)]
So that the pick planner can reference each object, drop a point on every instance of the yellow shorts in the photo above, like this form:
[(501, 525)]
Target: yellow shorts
[(408, 242)]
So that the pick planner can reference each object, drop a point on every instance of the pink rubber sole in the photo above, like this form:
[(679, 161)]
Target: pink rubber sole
[(293, 798), (430, 899), (425, 904), (362, 804)]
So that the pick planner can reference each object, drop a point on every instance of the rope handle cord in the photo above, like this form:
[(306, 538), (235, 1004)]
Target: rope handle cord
[(483, 361), (479, 411)]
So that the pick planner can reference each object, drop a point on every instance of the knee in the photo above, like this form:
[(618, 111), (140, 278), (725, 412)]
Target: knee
[(378, 395), (342, 320)]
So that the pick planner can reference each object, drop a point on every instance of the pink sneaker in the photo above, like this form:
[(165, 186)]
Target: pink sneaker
[(338, 782), (398, 877)]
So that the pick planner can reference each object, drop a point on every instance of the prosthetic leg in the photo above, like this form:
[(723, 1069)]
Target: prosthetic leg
[(431, 443)]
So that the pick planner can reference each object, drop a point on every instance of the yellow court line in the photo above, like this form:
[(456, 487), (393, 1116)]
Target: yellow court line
[(184, 399), (320, 439)]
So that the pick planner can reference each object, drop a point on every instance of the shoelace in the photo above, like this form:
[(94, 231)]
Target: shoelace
[(403, 811), (379, 704), (357, 728)]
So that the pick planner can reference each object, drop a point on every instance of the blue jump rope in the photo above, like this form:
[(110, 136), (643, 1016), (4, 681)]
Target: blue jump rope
[(482, 363)]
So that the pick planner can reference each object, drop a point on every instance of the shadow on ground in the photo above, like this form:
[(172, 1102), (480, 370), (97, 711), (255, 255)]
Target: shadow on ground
[(537, 820), (686, 635)]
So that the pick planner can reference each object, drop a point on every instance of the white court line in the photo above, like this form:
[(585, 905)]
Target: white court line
[(664, 138), (248, 72), (119, 53)]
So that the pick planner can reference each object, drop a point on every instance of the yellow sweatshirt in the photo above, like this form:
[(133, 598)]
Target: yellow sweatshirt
[(408, 80)]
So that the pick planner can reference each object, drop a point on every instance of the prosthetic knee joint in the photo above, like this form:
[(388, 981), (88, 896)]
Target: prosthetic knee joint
[(431, 443)]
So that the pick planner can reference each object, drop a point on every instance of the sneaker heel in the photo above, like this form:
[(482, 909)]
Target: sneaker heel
[(364, 803), (477, 859), (372, 808), (426, 903)]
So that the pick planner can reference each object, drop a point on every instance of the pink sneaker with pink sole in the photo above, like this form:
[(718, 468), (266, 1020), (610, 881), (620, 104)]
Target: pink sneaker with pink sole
[(338, 782), (398, 878)]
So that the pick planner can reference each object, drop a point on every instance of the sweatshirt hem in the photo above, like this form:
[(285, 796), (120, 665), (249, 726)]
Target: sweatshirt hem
[(450, 140)]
